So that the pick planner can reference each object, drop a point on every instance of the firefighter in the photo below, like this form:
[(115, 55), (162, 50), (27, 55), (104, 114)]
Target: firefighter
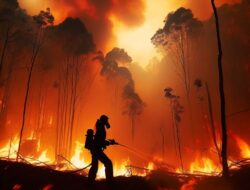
[(97, 150)]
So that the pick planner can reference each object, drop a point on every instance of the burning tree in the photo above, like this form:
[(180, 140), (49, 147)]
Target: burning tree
[(68, 98), (176, 111), (74, 78), (134, 105), (43, 20), (225, 171)]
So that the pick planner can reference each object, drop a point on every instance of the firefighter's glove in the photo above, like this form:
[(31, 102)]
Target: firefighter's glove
[(112, 142)]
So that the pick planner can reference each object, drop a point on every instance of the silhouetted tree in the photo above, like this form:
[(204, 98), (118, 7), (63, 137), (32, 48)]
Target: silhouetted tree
[(176, 111), (68, 99), (175, 38), (225, 171), (112, 69), (134, 106), (43, 20), (13, 24), (74, 41), (162, 141), (199, 84)]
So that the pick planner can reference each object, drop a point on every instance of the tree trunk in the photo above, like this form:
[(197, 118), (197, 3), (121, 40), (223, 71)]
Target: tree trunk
[(210, 111), (225, 171), (133, 127), (36, 49), (162, 142), (6, 41), (176, 135)]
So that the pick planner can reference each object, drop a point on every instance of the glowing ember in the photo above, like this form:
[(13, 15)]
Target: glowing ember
[(48, 187), (17, 187), (244, 147), (190, 185)]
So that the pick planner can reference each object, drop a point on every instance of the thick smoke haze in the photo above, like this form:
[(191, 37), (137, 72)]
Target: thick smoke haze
[(96, 15), (111, 69)]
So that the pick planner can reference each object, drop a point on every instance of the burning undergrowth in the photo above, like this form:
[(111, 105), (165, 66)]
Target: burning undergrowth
[(201, 166), (25, 176)]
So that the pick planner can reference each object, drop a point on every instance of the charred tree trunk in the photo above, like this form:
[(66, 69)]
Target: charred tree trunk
[(210, 111), (67, 105), (177, 134), (225, 171), (132, 116), (162, 142), (5, 44), (74, 86), (58, 129)]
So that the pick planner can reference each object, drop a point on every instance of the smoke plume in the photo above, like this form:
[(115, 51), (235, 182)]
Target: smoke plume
[(111, 68)]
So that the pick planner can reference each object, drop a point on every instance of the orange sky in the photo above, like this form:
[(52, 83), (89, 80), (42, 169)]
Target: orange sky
[(125, 24)]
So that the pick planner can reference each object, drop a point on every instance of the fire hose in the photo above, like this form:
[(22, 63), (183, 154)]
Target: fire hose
[(136, 152)]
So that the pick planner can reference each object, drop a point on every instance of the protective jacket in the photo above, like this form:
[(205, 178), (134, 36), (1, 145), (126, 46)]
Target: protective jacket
[(100, 136)]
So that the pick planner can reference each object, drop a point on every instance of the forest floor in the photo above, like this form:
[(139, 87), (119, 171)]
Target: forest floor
[(21, 176)]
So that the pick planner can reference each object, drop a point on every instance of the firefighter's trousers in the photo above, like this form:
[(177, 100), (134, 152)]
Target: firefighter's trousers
[(98, 154)]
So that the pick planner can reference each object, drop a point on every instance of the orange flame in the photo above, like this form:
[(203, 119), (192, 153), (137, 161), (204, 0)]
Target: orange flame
[(43, 157), (10, 148), (244, 147), (78, 160), (190, 185), (204, 165)]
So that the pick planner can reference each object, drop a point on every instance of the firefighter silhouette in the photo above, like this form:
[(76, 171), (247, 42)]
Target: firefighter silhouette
[(97, 144)]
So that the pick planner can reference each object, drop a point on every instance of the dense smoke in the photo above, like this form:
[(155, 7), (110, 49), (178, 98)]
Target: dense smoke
[(97, 15), (73, 36), (111, 68)]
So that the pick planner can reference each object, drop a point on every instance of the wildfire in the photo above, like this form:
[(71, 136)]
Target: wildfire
[(77, 161), (122, 169), (10, 148), (43, 157), (150, 166), (204, 165), (77, 158), (243, 146)]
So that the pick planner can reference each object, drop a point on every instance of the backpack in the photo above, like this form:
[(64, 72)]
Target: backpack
[(89, 141)]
